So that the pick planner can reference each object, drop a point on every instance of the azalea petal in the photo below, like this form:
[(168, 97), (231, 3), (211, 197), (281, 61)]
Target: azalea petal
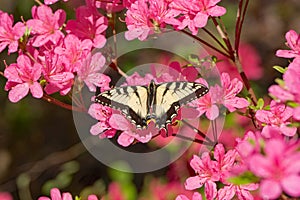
[(217, 11), (286, 53), (296, 113), (55, 194), (200, 20), (36, 90), (292, 39), (226, 193), (92, 197), (213, 112), (280, 93), (270, 189), (260, 166), (67, 196), (12, 74), (98, 128), (13, 47), (219, 152), (119, 122), (197, 196), (193, 182), (210, 190), (291, 186), (125, 140), (288, 131), (196, 163), (244, 194), (18, 92)]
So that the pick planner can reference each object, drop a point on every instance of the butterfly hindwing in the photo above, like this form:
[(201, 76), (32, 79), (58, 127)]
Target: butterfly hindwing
[(170, 96), (130, 100)]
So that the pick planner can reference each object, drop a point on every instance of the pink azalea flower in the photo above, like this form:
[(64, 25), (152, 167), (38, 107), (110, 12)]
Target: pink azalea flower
[(225, 161), (23, 77), (74, 51), (5, 196), (102, 127), (144, 17), (89, 72), (9, 34), (50, 2), (249, 144), (56, 195), (279, 168), (196, 196), (292, 39), (207, 173), (217, 96), (57, 74), (46, 25), (89, 24), (250, 61), (242, 191), (130, 133), (231, 89), (196, 13), (208, 106), (277, 117)]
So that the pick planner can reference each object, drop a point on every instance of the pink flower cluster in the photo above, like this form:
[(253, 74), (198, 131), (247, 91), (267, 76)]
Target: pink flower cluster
[(210, 171), (288, 91), (145, 17), (49, 59), (219, 97), (274, 160)]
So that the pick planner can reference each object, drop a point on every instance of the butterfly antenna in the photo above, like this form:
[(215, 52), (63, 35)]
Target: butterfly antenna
[(193, 139)]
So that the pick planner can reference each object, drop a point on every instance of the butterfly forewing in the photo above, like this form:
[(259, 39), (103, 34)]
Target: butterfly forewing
[(170, 96), (130, 100)]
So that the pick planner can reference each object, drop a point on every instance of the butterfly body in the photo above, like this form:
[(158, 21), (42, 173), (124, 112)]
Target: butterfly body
[(156, 102)]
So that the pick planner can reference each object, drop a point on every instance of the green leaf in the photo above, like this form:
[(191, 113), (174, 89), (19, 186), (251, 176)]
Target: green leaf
[(292, 104), (245, 178), (280, 82), (279, 69), (260, 104)]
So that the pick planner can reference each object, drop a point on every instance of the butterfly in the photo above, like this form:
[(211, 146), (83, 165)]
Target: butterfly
[(156, 102)]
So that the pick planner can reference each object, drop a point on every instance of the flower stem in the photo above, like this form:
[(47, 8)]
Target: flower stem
[(239, 22), (61, 104), (205, 43), (222, 31), (215, 39)]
